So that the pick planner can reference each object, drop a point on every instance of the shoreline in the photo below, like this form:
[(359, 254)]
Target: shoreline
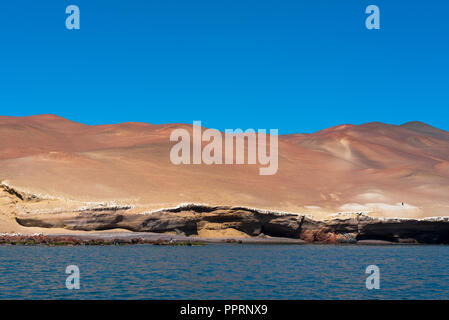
[(134, 238), (131, 238)]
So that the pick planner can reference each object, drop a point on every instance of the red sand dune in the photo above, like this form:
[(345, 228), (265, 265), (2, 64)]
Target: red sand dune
[(372, 167)]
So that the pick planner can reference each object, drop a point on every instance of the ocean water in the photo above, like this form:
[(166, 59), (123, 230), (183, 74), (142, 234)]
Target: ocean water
[(225, 272)]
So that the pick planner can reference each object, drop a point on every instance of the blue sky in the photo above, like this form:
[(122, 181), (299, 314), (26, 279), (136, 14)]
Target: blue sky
[(298, 66)]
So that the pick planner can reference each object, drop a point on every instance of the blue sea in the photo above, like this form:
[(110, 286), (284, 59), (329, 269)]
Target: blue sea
[(229, 271)]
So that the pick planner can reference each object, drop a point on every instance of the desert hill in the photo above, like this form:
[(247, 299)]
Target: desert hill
[(381, 169)]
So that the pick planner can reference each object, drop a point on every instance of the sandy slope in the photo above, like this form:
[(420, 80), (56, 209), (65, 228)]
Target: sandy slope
[(372, 167)]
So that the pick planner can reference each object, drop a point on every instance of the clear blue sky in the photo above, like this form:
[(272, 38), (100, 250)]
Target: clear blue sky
[(299, 66)]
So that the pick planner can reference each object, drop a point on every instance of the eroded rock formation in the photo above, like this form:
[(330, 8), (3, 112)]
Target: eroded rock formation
[(228, 221), (193, 220)]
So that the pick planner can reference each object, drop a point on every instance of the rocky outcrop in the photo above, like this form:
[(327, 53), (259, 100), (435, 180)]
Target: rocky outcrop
[(23, 196), (187, 220), (194, 220), (430, 230), (361, 227), (226, 221)]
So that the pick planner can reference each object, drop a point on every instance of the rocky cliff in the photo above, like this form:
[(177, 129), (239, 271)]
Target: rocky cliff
[(195, 220)]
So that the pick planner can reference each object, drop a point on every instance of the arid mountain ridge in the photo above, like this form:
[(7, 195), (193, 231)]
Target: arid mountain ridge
[(377, 169)]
